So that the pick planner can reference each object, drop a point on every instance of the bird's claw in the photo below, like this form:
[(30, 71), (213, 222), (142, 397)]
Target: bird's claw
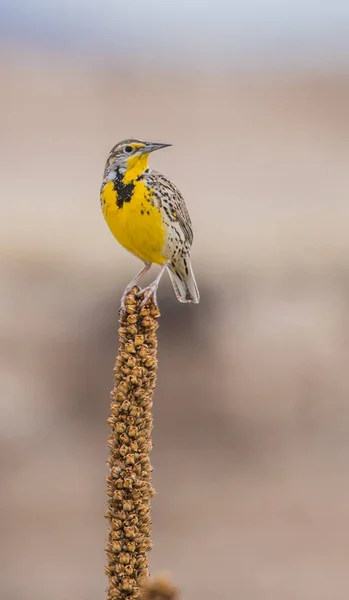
[(148, 292), (123, 305), (123, 298)]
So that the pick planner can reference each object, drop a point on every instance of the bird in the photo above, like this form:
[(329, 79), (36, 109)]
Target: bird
[(147, 215)]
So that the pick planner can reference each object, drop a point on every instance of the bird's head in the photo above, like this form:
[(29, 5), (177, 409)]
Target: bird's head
[(131, 155)]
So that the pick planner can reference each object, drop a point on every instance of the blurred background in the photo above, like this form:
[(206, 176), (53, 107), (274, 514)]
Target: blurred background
[(251, 439)]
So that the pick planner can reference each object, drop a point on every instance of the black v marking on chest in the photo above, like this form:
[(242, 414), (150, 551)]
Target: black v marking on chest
[(124, 191)]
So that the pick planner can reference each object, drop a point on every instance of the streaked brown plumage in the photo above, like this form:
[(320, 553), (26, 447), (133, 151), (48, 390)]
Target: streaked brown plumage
[(148, 216)]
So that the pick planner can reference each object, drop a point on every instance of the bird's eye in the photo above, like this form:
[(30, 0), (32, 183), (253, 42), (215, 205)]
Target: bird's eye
[(128, 149)]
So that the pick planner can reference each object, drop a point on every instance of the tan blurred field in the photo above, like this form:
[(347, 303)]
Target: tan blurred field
[(251, 443)]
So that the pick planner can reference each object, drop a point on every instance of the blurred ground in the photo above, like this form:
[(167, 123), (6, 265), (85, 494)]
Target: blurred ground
[(251, 449)]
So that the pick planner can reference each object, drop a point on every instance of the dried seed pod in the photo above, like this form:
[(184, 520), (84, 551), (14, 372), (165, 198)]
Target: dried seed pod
[(129, 487)]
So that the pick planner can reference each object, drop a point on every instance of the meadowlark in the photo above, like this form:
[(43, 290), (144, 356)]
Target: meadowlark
[(147, 214)]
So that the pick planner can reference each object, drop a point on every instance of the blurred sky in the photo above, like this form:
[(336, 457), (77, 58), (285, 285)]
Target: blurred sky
[(307, 33)]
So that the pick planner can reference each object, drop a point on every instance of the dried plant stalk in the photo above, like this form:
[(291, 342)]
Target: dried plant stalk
[(129, 486)]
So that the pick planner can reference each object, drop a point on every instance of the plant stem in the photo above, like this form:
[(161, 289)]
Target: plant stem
[(129, 486)]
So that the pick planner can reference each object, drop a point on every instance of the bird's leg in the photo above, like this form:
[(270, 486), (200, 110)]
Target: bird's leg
[(151, 289), (132, 284)]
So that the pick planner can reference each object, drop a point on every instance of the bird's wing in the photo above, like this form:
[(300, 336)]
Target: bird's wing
[(173, 198)]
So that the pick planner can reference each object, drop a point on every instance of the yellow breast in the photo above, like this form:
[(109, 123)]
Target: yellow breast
[(136, 223)]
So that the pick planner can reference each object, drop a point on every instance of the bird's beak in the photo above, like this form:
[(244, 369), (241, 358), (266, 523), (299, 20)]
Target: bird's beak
[(152, 146)]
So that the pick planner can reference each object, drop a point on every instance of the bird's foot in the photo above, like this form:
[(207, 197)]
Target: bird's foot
[(127, 291), (133, 284), (149, 292)]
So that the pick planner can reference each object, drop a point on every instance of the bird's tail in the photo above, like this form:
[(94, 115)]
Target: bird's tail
[(183, 280)]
